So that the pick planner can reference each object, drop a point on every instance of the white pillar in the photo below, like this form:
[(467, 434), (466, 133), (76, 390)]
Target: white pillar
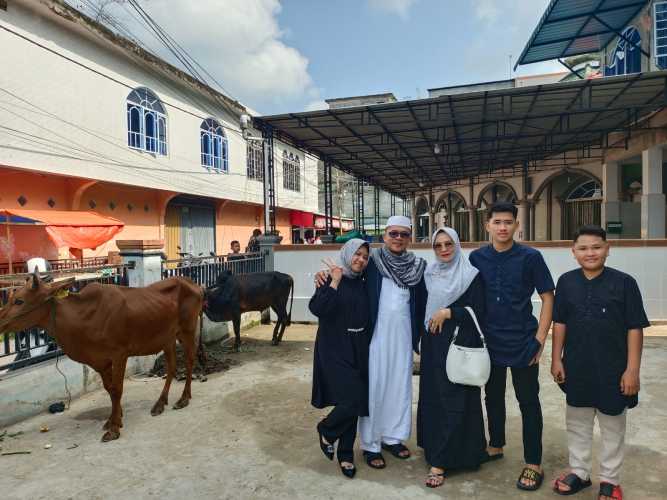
[(415, 219), (523, 220), (146, 256), (653, 199), (431, 223), (472, 222), (611, 205)]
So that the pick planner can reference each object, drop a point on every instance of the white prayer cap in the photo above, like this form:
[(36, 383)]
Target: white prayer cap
[(399, 220)]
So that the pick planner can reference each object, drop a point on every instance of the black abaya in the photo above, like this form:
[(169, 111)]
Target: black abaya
[(340, 365), (450, 424)]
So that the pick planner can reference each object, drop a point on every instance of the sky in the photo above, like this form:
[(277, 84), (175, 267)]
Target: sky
[(279, 56)]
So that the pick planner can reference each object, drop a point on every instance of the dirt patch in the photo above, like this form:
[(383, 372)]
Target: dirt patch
[(217, 360)]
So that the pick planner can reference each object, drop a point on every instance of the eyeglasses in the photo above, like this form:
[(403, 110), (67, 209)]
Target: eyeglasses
[(439, 246), (399, 234)]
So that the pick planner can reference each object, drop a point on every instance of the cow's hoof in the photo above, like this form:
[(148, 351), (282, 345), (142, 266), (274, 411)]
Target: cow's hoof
[(157, 409), (110, 435), (274, 342), (181, 403)]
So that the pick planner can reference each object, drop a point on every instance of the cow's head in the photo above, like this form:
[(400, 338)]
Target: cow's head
[(28, 305), (223, 278), (219, 297)]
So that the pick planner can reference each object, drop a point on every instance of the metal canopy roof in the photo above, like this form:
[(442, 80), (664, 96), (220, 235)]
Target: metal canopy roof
[(573, 27), (408, 146)]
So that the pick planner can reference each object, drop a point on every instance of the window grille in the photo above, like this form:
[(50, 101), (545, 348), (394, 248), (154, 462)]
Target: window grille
[(214, 147), (627, 56), (255, 160), (660, 34), (146, 122), (291, 172)]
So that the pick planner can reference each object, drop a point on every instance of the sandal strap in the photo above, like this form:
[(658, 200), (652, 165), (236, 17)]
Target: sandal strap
[(610, 490), (570, 480), (530, 474)]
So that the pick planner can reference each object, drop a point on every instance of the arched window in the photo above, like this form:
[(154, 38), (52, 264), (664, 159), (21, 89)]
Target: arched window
[(450, 210), (291, 172), (255, 160), (626, 57), (492, 193), (214, 148), (587, 189), (146, 122)]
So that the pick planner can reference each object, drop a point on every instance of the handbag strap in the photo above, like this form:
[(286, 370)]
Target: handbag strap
[(474, 318)]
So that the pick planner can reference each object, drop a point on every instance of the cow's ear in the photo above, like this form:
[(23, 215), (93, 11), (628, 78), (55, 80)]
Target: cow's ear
[(59, 286), (35, 280)]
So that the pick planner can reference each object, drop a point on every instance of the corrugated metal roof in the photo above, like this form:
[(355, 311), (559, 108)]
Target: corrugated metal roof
[(408, 146), (573, 27)]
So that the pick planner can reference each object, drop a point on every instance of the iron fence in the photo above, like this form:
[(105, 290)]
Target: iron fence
[(57, 265), (34, 345), (205, 270)]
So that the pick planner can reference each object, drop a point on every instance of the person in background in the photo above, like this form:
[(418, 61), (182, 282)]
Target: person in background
[(340, 364), (596, 355), (450, 423), (236, 255), (235, 247), (515, 339), (253, 242)]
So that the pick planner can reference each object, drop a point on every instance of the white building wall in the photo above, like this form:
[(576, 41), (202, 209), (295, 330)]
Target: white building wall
[(646, 264), (70, 94)]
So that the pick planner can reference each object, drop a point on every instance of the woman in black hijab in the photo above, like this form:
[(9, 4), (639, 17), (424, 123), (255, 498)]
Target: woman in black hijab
[(340, 368)]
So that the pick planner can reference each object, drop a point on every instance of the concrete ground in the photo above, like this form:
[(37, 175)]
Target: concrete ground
[(250, 433)]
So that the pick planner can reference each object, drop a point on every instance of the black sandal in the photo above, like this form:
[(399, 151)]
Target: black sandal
[(437, 476), (327, 448), (371, 455), (396, 449), (490, 458), (571, 480), (531, 475), (348, 472)]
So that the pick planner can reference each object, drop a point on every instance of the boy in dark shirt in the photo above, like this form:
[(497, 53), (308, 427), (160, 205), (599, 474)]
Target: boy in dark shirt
[(515, 339), (596, 354)]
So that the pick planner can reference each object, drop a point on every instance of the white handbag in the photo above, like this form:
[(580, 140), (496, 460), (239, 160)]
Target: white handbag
[(468, 365)]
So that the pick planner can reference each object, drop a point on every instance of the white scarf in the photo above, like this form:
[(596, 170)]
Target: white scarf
[(447, 281)]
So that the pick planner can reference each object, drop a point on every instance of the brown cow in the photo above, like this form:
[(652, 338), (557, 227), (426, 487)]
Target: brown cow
[(105, 324)]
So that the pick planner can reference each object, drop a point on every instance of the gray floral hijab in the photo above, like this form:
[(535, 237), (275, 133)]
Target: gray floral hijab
[(447, 281), (346, 254)]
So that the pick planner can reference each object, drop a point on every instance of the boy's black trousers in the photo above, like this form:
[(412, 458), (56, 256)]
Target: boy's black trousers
[(527, 390)]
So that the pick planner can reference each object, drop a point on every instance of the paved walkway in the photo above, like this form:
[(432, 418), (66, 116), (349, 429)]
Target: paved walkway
[(249, 433)]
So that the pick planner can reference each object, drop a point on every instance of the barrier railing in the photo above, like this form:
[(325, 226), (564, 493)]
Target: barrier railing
[(34, 345), (57, 265), (205, 270)]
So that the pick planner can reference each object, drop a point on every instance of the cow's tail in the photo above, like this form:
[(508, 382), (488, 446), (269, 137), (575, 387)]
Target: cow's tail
[(201, 353), (289, 314)]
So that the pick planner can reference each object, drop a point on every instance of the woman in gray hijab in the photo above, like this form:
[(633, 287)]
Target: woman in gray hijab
[(450, 425), (340, 367)]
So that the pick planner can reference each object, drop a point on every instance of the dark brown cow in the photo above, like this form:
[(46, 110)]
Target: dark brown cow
[(105, 324)]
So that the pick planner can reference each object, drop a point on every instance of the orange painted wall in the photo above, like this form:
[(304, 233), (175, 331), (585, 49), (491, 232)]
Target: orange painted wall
[(236, 221), (142, 220), (145, 219)]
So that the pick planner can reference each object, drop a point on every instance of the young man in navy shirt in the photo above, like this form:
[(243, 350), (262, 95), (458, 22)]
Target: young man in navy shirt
[(515, 339), (596, 355)]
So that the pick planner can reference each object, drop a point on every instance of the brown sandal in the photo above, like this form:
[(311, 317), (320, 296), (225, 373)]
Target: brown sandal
[(437, 478)]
